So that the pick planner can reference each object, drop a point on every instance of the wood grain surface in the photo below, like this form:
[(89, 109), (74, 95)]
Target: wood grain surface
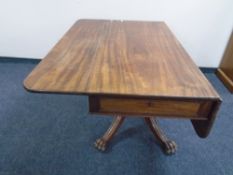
[(120, 58)]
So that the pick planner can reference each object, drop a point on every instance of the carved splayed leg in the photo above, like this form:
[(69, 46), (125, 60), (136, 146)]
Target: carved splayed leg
[(102, 142), (168, 145)]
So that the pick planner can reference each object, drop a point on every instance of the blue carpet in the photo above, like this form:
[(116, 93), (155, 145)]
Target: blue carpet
[(47, 134)]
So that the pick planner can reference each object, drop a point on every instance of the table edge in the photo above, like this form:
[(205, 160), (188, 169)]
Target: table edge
[(214, 98)]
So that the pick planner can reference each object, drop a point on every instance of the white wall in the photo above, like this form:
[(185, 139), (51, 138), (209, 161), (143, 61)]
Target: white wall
[(30, 28)]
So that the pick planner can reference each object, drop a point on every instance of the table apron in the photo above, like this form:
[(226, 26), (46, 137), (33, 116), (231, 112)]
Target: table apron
[(132, 106)]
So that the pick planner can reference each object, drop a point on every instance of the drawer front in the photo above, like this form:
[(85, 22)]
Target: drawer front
[(150, 107)]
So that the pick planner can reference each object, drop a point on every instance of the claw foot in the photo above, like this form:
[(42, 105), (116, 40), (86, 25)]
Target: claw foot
[(100, 144), (170, 147)]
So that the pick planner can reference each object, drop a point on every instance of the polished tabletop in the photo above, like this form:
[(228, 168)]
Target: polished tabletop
[(132, 58)]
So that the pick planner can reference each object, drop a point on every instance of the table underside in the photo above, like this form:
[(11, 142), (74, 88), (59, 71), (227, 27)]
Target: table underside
[(202, 112)]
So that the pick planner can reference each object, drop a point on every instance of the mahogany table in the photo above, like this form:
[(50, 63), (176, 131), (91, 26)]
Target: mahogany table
[(128, 68)]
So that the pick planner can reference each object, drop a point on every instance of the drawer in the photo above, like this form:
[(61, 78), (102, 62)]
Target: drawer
[(198, 109)]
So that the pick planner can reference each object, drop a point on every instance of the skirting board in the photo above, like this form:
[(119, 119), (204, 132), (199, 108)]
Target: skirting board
[(225, 79), (19, 60)]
